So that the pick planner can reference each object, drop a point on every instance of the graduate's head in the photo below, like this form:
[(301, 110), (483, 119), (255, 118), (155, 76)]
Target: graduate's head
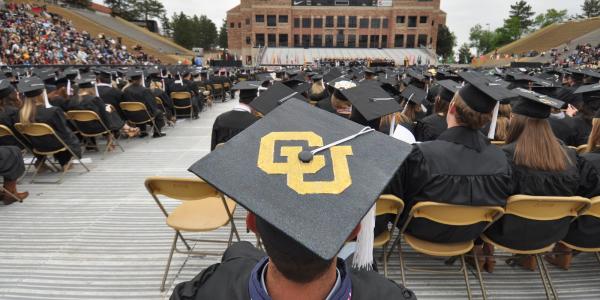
[(462, 114), (294, 261)]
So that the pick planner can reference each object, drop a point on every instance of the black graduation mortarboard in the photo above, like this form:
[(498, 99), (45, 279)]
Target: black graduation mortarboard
[(318, 202), (332, 75), (135, 74), (86, 82), (273, 97), (31, 87), (371, 101), (591, 73), (248, 89), (5, 88), (534, 105), (70, 73), (586, 89), (317, 77), (416, 75), (480, 94), (299, 86), (264, 77), (414, 94), (449, 89)]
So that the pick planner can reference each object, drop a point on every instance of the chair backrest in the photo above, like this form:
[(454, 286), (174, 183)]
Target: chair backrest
[(135, 112), (594, 210), (34, 129), (582, 149), (132, 106), (181, 95), (183, 189), (546, 208), (388, 204), (158, 100), (5, 131), (42, 138), (83, 115), (499, 143), (456, 215)]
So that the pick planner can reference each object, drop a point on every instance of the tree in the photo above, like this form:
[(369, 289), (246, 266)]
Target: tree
[(482, 40), (194, 31), (464, 54), (550, 17), (149, 8), (522, 11), (166, 25), (591, 8), (446, 41), (223, 35)]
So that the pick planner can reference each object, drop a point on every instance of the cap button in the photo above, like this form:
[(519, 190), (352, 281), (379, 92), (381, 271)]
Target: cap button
[(305, 156)]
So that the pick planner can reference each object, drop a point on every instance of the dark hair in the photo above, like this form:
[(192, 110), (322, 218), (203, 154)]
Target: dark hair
[(440, 106), (291, 258), (466, 116)]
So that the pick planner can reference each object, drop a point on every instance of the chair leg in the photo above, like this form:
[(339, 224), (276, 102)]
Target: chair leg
[(598, 256), (547, 273), (187, 246), (37, 169), (466, 275), (479, 275), (385, 266), (542, 276), (164, 280), (402, 271)]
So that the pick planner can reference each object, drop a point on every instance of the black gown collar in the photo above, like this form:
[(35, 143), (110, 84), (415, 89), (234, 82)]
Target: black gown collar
[(467, 137)]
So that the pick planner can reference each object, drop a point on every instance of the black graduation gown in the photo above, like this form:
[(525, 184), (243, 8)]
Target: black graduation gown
[(430, 127), (229, 280), (55, 118), (11, 163), (460, 167), (229, 124), (62, 102), (95, 104), (518, 233), (111, 96), (138, 93), (582, 131), (564, 129), (190, 87), (585, 230), (8, 117)]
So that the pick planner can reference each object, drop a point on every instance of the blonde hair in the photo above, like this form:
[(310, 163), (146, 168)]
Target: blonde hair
[(399, 118), (28, 112), (316, 88), (594, 139), (155, 85)]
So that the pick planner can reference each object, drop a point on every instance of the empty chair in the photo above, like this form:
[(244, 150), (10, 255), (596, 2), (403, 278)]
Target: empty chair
[(182, 101)]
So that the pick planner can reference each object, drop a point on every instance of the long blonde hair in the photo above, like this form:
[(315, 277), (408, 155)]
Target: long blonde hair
[(28, 112), (317, 88), (594, 139)]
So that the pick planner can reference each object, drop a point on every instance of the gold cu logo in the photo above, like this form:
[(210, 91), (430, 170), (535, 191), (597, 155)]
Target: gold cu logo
[(295, 169)]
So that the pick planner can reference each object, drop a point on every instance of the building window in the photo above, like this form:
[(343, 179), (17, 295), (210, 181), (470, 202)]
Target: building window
[(400, 19), (374, 41), (283, 40), (329, 22), (272, 20), (364, 23), (363, 41), (272, 40), (283, 19), (318, 41), (240, 25), (384, 41), (318, 23), (341, 21), (352, 22), (305, 40), (340, 39), (247, 21), (260, 40), (296, 22), (399, 40), (410, 41), (260, 18), (422, 42), (232, 25), (296, 40), (385, 23), (306, 23), (375, 23), (412, 21), (248, 40), (351, 41), (423, 19), (329, 41)]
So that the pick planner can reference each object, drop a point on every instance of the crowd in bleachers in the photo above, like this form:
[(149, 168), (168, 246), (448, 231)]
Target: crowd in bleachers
[(582, 55), (31, 35), (366, 62)]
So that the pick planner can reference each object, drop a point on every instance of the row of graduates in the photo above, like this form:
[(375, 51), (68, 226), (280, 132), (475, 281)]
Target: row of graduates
[(454, 160)]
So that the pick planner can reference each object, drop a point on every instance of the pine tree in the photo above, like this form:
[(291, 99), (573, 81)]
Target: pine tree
[(591, 8), (522, 11), (223, 35), (464, 54)]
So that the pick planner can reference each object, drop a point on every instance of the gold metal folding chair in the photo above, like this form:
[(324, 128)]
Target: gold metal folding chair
[(181, 101), (582, 149), (34, 131), (499, 143), (450, 215), (6, 132), (137, 113), (80, 117), (203, 209), (541, 208), (593, 213), (387, 204)]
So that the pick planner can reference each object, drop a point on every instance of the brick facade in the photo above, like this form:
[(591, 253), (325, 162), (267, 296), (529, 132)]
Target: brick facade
[(277, 23)]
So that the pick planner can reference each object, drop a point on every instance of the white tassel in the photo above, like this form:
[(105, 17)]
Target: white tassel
[(143, 80), (69, 88), (492, 132), (46, 102), (96, 90), (393, 124), (363, 257), (163, 84)]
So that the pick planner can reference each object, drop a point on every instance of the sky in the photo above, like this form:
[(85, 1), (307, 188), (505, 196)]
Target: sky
[(461, 14)]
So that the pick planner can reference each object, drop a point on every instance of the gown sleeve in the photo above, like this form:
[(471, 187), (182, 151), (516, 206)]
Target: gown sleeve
[(589, 185)]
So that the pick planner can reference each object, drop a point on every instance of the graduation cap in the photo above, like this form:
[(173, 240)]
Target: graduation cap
[(5, 88), (71, 73), (480, 94), (414, 74), (332, 75), (248, 89), (299, 86), (592, 74), (589, 93), (317, 77), (86, 82), (534, 105), (31, 87), (135, 74), (276, 95), (307, 172), (414, 94), (449, 89), (371, 101)]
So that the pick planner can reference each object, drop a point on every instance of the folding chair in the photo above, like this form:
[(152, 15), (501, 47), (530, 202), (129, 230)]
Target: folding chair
[(203, 209), (387, 204), (137, 113), (217, 89), (84, 120), (587, 241), (160, 103), (582, 149), (450, 215), (499, 143), (7, 133), (46, 142), (181, 101), (539, 209)]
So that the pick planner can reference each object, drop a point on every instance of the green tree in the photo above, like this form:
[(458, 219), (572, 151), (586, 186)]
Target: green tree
[(166, 25), (591, 8), (194, 31), (482, 40), (464, 54), (223, 35), (122, 8), (446, 41), (523, 12), (149, 9), (511, 31), (550, 17)]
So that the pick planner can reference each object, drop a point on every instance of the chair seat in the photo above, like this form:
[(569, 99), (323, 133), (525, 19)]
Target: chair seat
[(186, 217), (435, 249), (381, 239)]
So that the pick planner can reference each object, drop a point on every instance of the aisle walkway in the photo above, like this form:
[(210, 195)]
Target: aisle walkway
[(100, 235)]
